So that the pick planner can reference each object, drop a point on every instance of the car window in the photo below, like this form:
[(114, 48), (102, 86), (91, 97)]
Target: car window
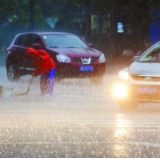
[(23, 40), (63, 41), (17, 41), (152, 54), (36, 39)]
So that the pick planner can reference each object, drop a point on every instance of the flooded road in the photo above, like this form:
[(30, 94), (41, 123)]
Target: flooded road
[(80, 120)]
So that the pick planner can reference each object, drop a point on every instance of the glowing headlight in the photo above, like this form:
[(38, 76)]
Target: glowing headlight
[(102, 58), (63, 58), (120, 90), (123, 75)]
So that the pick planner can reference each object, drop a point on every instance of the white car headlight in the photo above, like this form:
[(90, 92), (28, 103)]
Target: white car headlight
[(102, 58), (63, 58), (124, 74), (120, 90)]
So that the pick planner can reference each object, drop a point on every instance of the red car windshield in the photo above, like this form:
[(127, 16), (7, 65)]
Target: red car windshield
[(63, 41)]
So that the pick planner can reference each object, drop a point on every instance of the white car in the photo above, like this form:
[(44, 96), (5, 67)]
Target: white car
[(140, 82)]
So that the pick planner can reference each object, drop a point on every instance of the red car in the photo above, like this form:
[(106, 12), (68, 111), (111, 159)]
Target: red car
[(73, 57)]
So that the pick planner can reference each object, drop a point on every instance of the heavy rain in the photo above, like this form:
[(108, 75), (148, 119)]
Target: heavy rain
[(105, 98)]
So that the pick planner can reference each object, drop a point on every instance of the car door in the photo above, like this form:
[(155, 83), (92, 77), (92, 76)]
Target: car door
[(27, 42), (24, 43), (15, 51), (34, 39)]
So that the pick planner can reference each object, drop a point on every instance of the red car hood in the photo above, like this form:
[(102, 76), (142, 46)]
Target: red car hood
[(77, 52)]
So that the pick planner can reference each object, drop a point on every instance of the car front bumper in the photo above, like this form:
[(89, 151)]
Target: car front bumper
[(71, 70), (137, 92)]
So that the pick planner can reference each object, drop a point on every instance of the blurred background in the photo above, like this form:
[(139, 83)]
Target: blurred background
[(113, 26)]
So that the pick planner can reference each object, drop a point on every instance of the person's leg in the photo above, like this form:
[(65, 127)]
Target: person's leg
[(43, 83), (51, 78)]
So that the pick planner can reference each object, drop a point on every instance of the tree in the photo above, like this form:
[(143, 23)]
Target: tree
[(29, 15)]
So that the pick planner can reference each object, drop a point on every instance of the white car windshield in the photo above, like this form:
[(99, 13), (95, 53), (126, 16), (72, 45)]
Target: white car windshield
[(152, 54), (63, 41)]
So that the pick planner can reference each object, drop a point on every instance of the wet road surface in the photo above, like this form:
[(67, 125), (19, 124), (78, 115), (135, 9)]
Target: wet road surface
[(81, 120)]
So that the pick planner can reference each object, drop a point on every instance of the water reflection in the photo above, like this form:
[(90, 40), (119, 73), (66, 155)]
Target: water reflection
[(121, 134)]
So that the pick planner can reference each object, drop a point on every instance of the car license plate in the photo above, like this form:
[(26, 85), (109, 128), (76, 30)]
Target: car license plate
[(86, 68), (149, 90)]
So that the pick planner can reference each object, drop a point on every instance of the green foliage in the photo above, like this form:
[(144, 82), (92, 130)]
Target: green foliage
[(20, 11), (20, 16)]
